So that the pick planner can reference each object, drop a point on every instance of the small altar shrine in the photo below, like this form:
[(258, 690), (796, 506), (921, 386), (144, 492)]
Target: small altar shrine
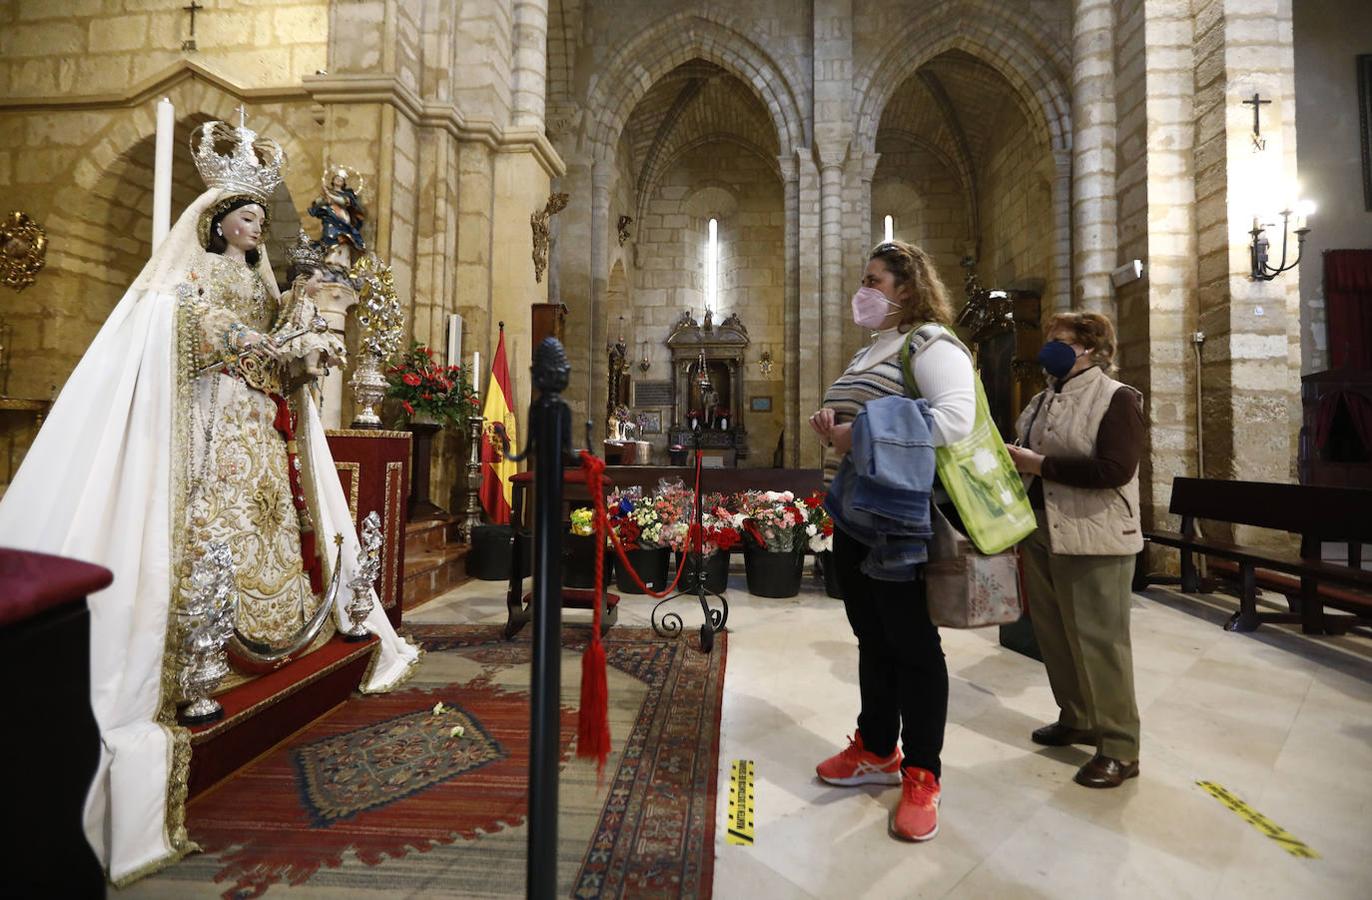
[(713, 404)]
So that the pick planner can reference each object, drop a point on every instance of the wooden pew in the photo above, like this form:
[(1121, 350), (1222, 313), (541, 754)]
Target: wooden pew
[(1317, 514)]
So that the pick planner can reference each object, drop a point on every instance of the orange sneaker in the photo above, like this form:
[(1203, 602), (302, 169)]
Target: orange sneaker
[(916, 818), (854, 766)]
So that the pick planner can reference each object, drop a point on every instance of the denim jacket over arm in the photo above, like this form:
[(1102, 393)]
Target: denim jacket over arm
[(881, 493)]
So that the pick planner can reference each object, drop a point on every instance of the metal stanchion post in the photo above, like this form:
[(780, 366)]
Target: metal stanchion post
[(549, 440)]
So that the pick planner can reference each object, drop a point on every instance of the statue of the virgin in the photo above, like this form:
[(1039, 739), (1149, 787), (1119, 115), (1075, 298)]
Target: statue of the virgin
[(188, 421)]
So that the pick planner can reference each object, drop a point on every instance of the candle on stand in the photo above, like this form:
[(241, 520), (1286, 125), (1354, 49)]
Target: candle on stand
[(476, 374), (162, 172)]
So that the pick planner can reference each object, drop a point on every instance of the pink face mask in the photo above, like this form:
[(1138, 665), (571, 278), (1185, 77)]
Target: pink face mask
[(871, 307)]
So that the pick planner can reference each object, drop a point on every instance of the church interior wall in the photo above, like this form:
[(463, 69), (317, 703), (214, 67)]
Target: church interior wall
[(1328, 37), (94, 47), (739, 188)]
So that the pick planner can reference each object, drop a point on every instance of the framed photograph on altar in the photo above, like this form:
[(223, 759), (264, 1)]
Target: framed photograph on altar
[(652, 421), (760, 404)]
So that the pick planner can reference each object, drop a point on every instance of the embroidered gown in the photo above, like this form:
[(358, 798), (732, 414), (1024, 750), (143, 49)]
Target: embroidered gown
[(238, 483)]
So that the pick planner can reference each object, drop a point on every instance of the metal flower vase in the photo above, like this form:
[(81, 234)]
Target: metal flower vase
[(363, 582), (369, 389), (204, 625)]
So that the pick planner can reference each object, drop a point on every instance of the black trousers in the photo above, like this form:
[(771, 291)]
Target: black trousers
[(902, 675)]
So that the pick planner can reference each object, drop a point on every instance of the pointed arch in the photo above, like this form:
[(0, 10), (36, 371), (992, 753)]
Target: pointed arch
[(1029, 57), (627, 76)]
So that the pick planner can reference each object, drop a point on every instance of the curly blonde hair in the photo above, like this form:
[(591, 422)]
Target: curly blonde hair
[(910, 265), (1094, 331)]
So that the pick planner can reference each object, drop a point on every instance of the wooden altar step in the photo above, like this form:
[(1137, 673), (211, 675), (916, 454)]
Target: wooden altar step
[(435, 559), (268, 710)]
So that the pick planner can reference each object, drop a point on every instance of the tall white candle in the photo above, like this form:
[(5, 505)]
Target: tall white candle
[(454, 339), (162, 172), (476, 374)]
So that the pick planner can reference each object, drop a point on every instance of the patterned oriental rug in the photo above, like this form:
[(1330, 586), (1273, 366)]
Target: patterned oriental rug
[(384, 796)]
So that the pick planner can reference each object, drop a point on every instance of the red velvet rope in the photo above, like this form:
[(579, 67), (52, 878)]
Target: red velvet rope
[(594, 467)]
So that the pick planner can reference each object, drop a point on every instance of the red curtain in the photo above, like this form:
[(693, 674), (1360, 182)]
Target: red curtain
[(1348, 301), (1359, 413)]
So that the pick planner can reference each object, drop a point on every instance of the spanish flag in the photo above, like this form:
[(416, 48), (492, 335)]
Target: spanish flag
[(496, 470)]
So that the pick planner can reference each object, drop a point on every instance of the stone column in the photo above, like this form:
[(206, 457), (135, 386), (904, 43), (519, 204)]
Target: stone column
[(810, 301), (790, 180), (831, 269), (1250, 375), (530, 62), (1093, 154), (1060, 288), (601, 171)]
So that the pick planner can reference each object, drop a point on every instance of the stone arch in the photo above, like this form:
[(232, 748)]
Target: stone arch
[(101, 221), (1027, 57), (677, 39)]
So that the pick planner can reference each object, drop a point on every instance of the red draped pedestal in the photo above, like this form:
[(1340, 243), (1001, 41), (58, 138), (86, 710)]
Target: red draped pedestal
[(374, 467)]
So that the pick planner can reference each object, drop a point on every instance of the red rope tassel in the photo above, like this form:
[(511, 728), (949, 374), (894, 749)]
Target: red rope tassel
[(593, 719)]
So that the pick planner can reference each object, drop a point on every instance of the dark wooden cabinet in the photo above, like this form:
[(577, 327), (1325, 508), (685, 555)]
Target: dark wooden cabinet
[(1332, 450)]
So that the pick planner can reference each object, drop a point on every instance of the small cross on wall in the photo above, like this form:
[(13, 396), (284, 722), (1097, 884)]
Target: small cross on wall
[(189, 43), (1259, 142)]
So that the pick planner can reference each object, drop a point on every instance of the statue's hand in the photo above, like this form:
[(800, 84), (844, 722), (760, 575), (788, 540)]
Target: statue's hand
[(265, 347)]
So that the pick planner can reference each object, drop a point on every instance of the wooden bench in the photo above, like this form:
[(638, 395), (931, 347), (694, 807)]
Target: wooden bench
[(1317, 514)]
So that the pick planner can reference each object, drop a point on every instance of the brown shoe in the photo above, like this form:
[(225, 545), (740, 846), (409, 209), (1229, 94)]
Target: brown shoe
[(1105, 772), (1059, 735)]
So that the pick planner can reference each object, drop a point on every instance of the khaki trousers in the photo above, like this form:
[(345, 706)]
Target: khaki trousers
[(1079, 606)]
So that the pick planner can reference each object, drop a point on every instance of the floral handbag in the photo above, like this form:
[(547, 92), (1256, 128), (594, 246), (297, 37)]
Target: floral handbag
[(965, 587)]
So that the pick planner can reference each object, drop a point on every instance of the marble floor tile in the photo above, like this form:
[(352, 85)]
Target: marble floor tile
[(1281, 720)]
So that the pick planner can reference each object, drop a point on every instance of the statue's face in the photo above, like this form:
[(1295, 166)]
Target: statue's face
[(339, 182), (313, 283), (242, 228)]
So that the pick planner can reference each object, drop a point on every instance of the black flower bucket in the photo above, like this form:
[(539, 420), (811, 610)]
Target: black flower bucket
[(825, 561), (651, 566), (773, 573), (716, 573)]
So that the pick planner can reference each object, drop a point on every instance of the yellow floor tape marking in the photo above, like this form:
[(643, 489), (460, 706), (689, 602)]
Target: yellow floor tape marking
[(1289, 842), (740, 803)]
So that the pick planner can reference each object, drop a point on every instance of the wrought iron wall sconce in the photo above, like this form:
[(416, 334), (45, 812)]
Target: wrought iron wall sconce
[(645, 362), (765, 363), (1258, 249)]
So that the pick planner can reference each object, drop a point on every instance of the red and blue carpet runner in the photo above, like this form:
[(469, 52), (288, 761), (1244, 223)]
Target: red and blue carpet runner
[(386, 794)]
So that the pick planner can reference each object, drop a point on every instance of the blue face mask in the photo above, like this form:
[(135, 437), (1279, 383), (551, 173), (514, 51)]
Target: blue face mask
[(1057, 358)]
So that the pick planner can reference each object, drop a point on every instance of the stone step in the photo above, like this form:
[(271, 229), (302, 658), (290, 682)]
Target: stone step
[(429, 573), (429, 535)]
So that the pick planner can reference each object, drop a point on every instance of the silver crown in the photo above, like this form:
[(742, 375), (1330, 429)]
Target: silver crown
[(252, 165), (305, 253)]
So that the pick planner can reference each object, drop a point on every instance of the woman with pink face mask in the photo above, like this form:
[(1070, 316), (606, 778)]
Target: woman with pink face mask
[(902, 676)]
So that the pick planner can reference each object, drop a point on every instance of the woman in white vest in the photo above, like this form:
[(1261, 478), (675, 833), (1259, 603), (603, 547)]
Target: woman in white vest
[(1078, 449)]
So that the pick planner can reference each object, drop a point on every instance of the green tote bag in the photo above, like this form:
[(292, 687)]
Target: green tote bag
[(976, 472)]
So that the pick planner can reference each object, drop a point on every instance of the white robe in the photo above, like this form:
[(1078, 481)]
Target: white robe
[(97, 486)]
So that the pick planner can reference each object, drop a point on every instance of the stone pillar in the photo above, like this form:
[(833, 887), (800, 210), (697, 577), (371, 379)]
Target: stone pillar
[(1250, 374), (790, 180), (831, 270), (810, 300), (530, 62), (1093, 154), (601, 171), (1059, 297)]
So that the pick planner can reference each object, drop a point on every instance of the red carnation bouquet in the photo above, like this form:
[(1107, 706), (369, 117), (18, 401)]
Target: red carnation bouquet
[(425, 388), (819, 525)]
